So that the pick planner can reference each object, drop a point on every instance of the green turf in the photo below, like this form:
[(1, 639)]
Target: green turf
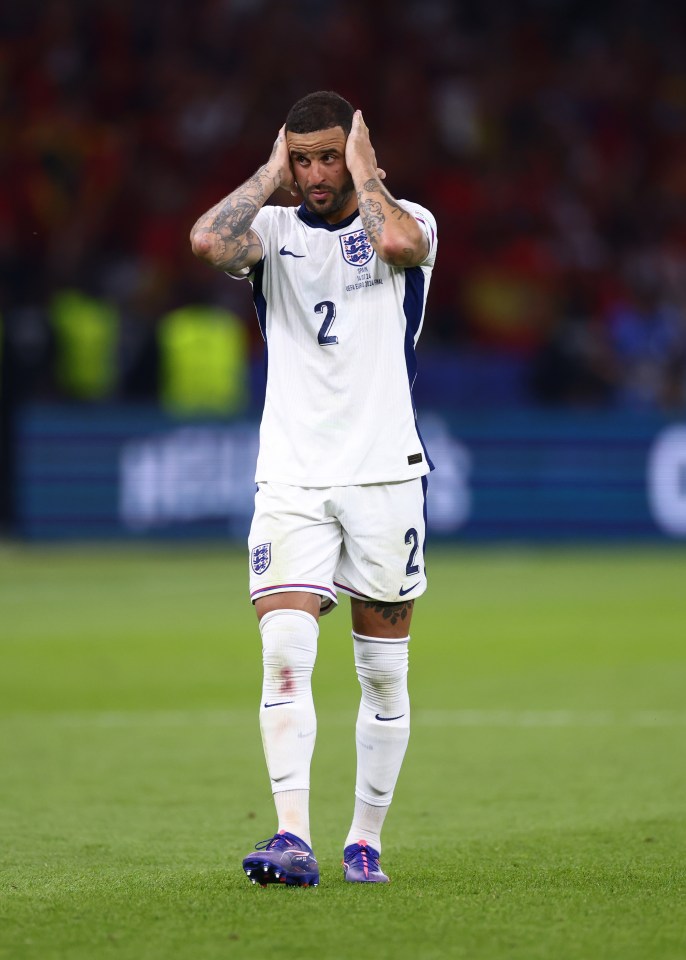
[(540, 813)]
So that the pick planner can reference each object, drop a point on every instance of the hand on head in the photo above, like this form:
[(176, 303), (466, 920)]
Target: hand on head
[(281, 159), (359, 151)]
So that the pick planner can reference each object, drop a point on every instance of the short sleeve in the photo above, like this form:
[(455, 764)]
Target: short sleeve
[(427, 222)]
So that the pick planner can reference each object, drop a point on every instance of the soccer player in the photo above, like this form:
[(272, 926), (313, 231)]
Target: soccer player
[(339, 285)]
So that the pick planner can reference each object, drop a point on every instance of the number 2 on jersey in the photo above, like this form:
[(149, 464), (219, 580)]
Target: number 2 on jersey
[(328, 308), (412, 537)]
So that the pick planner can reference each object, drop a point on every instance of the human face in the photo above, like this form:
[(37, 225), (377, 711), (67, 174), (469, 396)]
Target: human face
[(318, 161)]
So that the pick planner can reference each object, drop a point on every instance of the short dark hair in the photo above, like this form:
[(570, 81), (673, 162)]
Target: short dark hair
[(320, 111)]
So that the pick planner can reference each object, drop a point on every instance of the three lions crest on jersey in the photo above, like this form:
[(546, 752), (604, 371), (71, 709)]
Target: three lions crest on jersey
[(357, 250)]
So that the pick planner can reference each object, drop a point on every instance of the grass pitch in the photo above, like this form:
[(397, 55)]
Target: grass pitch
[(540, 812)]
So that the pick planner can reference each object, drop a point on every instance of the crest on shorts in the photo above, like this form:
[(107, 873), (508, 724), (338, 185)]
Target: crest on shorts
[(261, 557), (357, 250)]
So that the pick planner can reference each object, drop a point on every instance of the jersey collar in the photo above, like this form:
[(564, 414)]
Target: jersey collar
[(314, 220)]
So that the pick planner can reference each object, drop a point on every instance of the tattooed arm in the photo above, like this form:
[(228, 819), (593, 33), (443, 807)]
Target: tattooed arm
[(223, 237), (393, 232)]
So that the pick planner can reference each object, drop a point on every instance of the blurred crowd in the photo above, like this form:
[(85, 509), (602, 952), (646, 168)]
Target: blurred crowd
[(547, 136)]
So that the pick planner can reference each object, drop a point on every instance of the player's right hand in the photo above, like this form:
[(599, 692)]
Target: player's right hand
[(281, 161)]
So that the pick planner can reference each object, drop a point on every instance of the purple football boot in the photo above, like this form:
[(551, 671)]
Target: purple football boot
[(361, 864), (284, 858)]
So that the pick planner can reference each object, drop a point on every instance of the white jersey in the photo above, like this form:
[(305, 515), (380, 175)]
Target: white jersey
[(340, 328)]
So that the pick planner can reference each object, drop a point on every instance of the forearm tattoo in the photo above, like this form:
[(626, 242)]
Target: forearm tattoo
[(393, 612), (372, 186), (372, 211), (230, 220), (373, 219), (235, 215)]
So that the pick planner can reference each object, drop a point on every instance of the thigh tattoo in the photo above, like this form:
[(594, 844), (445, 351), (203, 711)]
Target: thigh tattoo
[(393, 611)]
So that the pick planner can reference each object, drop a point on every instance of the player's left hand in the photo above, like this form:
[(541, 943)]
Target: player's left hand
[(359, 152)]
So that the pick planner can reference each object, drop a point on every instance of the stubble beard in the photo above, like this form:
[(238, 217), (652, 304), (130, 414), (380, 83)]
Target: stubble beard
[(336, 200)]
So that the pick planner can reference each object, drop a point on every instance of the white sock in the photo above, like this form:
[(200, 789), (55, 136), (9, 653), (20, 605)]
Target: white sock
[(382, 732), (293, 812), (367, 823), (287, 719)]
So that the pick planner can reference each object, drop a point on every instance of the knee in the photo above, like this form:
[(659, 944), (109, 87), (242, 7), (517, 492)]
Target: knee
[(289, 645), (382, 670)]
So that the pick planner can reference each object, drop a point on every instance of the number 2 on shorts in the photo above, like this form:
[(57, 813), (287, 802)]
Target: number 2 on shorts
[(412, 537)]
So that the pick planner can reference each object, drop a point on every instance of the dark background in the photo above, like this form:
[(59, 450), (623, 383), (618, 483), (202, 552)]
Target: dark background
[(548, 138)]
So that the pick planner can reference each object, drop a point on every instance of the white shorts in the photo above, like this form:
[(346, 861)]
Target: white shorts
[(367, 541)]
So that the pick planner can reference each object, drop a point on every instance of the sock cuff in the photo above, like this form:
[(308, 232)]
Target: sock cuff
[(371, 800), (288, 612), (293, 784), (363, 639)]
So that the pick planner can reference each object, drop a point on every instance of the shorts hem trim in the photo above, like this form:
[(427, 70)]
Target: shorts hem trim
[(293, 588), (350, 591), (364, 596)]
